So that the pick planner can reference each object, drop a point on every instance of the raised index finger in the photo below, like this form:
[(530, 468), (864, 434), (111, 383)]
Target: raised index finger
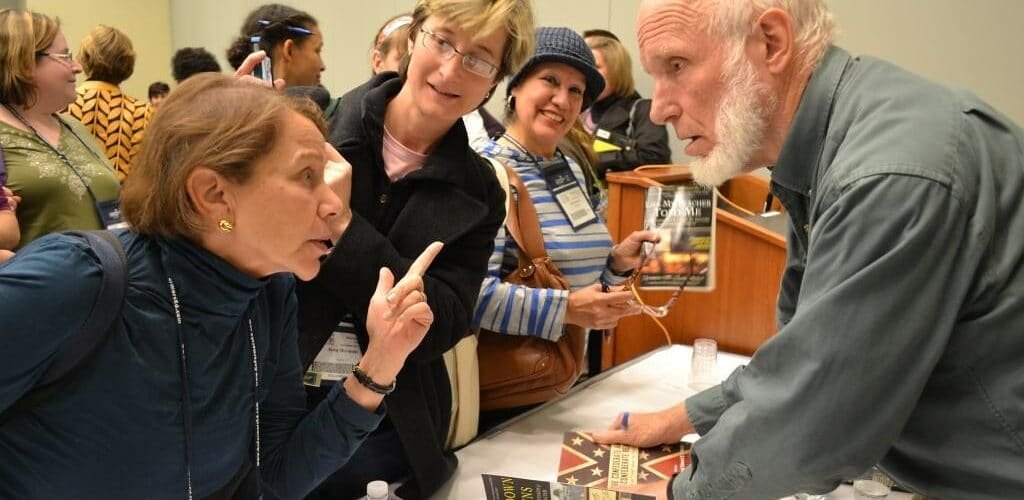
[(250, 63), (420, 265)]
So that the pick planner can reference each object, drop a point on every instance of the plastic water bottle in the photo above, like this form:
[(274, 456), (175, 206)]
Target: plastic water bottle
[(377, 490)]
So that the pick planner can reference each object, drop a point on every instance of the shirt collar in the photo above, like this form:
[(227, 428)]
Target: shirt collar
[(205, 282), (802, 150)]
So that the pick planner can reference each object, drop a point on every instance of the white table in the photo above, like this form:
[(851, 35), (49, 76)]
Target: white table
[(529, 445)]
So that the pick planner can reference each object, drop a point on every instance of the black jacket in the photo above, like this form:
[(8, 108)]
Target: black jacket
[(454, 198), (650, 140)]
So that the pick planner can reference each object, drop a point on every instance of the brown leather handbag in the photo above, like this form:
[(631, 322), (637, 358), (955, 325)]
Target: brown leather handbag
[(518, 370)]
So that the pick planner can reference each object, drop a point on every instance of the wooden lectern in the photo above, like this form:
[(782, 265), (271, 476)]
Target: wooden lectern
[(750, 253)]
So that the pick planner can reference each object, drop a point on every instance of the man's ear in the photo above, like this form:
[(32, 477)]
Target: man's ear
[(774, 30), (211, 194)]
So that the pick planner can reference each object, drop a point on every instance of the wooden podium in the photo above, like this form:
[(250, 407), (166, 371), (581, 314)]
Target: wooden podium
[(750, 253)]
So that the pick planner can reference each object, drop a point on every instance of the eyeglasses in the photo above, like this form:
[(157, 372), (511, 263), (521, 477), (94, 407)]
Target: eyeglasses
[(65, 57), (660, 311), (446, 50)]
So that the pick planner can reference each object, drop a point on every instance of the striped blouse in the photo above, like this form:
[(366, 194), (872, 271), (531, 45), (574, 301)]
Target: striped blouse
[(580, 254)]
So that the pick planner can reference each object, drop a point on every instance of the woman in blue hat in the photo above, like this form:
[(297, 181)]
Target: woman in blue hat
[(545, 98)]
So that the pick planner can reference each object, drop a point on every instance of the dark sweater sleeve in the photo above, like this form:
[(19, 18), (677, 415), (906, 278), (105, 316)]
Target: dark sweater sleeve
[(47, 291), (451, 283), (651, 143), (302, 449)]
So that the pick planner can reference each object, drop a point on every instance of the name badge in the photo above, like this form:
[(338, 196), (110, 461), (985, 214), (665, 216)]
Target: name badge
[(335, 360), (568, 193), (110, 213)]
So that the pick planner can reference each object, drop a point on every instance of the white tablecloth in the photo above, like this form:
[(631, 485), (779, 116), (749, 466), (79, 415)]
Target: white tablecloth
[(529, 446)]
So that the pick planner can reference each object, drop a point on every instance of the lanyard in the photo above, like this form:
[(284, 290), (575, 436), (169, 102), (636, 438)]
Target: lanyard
[(187, 400), (522, 149), (60, 154)]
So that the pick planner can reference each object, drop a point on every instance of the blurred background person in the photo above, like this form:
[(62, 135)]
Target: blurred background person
[(391, 44), (209, 273), (192, 60), (291, 38), (157, 93), (53, 163), (115, 119), (415, 180), (621, 111), (544, 102)]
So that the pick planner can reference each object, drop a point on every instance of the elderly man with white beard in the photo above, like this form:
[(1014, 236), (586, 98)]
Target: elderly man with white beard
[(901, 305)]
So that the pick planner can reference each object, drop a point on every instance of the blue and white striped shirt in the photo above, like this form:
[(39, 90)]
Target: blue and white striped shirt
[(581, 255)]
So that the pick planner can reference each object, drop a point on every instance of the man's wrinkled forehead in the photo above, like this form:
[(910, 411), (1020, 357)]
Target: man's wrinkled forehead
[(660, 18)]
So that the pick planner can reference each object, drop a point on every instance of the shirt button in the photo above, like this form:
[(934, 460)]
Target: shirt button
[(383, 199), (807, 228)]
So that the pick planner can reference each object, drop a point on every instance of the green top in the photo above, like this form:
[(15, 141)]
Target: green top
[(53, 197)]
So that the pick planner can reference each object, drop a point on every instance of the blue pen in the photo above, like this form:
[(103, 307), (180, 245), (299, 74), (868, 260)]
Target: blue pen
[(625, 420)]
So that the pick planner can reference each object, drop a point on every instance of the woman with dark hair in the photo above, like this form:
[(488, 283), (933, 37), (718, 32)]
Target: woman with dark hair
[(391, 44), (290, 37), (196, 390), (415, 180)]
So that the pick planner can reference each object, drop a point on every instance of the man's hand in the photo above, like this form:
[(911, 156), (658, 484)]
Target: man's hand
[(645, 430)]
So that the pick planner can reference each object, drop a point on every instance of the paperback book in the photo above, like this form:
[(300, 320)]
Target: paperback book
[(516, 488), (587, 463), (684, 216)]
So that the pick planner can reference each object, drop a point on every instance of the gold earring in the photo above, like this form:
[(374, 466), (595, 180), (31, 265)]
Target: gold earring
[(225, 225)]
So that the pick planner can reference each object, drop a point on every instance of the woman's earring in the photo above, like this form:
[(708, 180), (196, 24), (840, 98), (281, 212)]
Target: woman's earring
[(510, 102), (225, 225)]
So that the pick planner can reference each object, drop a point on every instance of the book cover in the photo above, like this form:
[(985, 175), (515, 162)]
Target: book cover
[(498, 487), (684, 216), (586, 463)]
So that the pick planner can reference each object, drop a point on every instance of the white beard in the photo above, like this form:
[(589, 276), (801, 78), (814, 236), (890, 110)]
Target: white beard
[(740, 126)]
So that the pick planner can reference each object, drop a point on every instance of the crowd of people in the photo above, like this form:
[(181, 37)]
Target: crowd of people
[(283, 271)]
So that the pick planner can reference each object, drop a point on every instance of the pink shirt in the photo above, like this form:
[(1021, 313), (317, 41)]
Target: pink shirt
[(399, 160)]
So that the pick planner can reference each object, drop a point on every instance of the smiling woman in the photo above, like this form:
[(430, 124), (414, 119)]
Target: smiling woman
[(196, 389)]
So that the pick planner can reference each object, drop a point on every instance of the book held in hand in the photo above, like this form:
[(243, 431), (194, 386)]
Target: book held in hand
[(515, 488), (684, 216), (586, 463)]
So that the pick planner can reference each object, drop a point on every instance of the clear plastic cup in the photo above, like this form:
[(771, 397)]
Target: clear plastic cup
[(704, 364)]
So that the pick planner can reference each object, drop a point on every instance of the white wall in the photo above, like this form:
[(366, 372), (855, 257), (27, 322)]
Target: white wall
[(147, 23), (974, 45)]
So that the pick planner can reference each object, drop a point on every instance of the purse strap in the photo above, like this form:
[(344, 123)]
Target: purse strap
[(522, 222)]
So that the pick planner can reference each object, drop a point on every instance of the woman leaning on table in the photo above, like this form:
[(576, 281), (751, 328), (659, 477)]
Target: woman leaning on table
[(415, 180), (196, 391), (53, 163), (544, 99)]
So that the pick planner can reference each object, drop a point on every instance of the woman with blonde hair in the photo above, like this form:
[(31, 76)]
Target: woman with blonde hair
[(117, 120), (415, 180), (53, 163), (196, 392), (619, 115)]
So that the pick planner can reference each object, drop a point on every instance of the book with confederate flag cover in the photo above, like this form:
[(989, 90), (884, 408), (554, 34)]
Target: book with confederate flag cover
[(586, 463)]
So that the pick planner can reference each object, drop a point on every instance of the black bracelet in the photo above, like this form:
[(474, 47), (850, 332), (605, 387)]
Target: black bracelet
[(368, 382), (611, 261)]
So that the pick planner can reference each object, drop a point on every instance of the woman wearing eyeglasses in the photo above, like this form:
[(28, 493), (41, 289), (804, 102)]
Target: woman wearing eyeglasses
[(545, 98), (415, 180), (55, 165), (291, 38)]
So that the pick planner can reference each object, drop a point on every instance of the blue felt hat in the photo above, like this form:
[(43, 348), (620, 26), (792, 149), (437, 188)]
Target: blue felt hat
[(565, 46)]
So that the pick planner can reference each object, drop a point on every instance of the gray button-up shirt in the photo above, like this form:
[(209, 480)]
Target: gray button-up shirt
[(901, 307)]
